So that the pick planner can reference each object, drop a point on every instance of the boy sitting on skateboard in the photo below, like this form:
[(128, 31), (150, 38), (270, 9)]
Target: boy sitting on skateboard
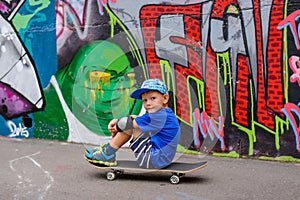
[(155, 135)]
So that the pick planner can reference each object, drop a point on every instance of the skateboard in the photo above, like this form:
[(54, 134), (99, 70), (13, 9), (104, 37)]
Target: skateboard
[(177, 169)]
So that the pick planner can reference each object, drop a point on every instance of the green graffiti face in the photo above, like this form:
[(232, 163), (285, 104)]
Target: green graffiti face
[(102, 94), (102, 81)]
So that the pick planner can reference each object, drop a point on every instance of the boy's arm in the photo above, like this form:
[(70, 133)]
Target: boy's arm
[(135, 125)]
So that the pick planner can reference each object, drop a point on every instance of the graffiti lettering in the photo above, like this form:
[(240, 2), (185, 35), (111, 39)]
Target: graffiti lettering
[(290, 21), (103, 3), (232, 43), (295, 67), (207, 127), (69, 14), (17, 131), (291, 111)]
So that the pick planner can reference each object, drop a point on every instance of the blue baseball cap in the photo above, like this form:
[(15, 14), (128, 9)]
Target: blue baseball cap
[(150, 85)]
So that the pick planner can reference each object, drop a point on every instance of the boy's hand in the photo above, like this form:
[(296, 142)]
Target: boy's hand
[(112, 127)]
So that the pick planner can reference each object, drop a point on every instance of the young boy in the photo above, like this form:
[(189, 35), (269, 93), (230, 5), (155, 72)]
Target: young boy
[(155, 135)]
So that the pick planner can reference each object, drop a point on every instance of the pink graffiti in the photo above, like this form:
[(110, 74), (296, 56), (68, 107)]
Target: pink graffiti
[(294, 63), (291, 111), (291, 22), (4, 8), (207, 127), (12, 103), (103, 3), (62, 28)]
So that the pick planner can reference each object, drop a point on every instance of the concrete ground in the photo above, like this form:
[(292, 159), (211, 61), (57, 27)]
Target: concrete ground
[(41, 169)]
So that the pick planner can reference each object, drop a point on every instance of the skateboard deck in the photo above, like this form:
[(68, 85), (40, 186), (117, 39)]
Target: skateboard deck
[(177, 169)]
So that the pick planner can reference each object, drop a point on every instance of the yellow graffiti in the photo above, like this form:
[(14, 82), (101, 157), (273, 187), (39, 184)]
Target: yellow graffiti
[(98, 79)]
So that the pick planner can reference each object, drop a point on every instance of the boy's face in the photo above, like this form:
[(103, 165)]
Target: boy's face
[(154, 101)]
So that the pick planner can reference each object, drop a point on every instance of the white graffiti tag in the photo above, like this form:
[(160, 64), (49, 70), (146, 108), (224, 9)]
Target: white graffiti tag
[(16, 131)]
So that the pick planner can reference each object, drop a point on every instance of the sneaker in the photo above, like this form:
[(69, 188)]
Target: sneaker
[(102, 158), (91, 150)]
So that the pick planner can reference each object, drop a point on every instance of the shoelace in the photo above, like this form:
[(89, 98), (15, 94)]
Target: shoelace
[(99, 149)]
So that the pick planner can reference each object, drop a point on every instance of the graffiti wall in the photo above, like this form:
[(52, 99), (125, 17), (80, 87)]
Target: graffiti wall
[(232, 69)]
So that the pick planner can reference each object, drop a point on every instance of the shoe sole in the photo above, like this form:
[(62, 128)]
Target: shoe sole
[(108, 164)]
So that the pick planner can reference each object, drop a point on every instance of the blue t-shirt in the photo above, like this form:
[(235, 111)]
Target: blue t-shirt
[(164, 131)]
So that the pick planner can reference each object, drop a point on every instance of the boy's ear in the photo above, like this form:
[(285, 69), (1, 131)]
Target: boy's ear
[(166, 98)]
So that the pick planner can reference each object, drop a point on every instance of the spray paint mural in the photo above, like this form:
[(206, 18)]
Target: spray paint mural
[(20, 80), (231, 67)]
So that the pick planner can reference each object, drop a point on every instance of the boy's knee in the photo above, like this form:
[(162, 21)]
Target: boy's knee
[(125, 123)]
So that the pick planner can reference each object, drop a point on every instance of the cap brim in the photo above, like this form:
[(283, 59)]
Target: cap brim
[(137, 93)]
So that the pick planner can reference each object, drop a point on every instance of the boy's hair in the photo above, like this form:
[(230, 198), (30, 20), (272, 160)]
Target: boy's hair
[(150, 85)]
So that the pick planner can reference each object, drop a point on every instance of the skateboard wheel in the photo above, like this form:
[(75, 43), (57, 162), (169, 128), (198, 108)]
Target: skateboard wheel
[(110, 176), (174, 179)]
